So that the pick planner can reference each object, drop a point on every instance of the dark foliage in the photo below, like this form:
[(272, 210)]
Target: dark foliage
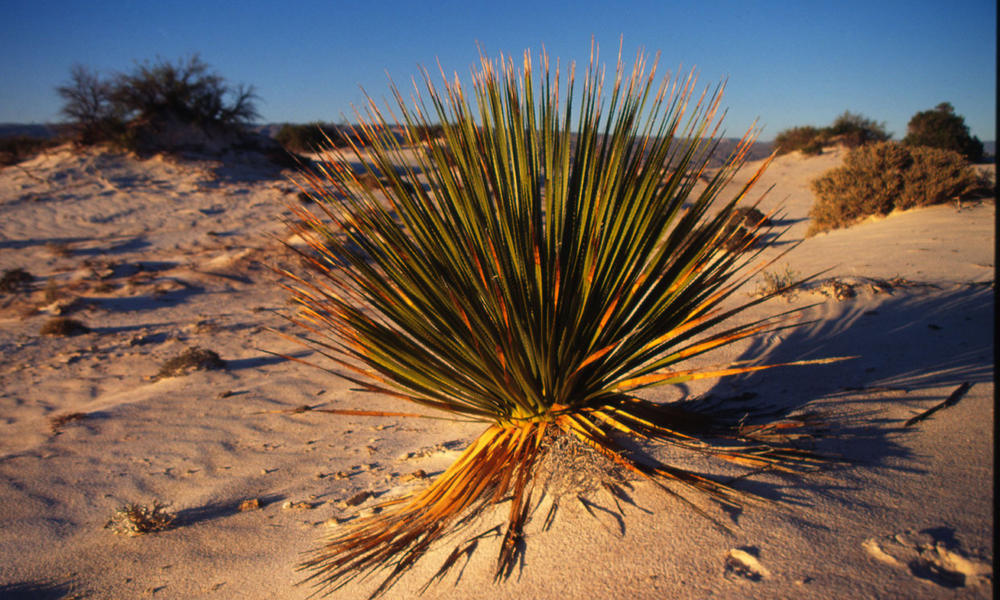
[(15, 280), (853, 130), (310, 137), (942, 128), (18, 148), (848, 129), (133, 109)]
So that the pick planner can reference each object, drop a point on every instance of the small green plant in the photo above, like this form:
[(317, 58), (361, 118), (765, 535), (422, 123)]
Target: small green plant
[(877, 178), (781, 283), (942, 128), (558, 262), (138, 519)]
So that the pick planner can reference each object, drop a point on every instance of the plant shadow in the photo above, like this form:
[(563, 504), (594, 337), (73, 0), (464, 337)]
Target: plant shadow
[(905, 346), (218, 510), (36, 590)]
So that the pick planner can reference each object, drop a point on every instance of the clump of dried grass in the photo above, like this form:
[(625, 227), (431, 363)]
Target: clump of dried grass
[(63, 327), (777, 283), (137, 519), (15, 280), (57, 422), (192, 359)]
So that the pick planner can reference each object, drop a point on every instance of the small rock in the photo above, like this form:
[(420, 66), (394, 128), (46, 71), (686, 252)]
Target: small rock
[(418, 474), (251, 504)]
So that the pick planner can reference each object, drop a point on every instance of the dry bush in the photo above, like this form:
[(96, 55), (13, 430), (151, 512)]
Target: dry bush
[(136, 519), (192, 359), (876, 179), (63, 327), (936, 176), (778, 283), (15, 280), (57, 422), (19, 148)]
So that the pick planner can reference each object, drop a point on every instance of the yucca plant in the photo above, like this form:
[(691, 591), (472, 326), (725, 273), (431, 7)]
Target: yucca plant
[(550, 255)]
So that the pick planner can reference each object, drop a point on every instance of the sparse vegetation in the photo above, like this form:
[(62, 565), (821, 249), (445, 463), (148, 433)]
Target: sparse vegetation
[(160, 105), (876, 179), (192, 359), (848, 129), (310, 137), (138, 519), (806, 139), (57, 422), (943, 129), (777, 283), (19, 148), (15, 280), (63, 327)]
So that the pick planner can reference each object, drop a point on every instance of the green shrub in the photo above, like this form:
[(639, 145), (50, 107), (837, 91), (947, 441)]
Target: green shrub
[(310, 137), (554, 266), (805, 138), (942, 128), (877, 178), (854, 130), (848, 129)]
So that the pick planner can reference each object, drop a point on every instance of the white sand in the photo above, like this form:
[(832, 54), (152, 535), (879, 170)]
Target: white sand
[(157, 256)]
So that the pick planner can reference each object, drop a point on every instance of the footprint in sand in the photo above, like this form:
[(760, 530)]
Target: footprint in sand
[(933, 555)]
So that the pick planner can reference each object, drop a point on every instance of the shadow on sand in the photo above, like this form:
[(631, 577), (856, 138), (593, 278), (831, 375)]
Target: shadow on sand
[(36, 590)]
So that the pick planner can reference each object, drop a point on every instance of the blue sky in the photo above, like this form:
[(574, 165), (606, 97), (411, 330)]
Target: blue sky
[(789, 63)]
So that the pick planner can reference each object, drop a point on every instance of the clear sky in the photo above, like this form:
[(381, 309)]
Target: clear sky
[(789, 63)]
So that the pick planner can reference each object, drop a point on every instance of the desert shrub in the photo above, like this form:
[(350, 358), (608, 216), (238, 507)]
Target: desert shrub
[(848, 129), (877, 178), (192, 359), (942, 128), (62, 326), (310, 137), (853, 130), (546, 277), (15, 280), (805, 138), (18, 148), (133, 109), (93, 116), (937, 176)]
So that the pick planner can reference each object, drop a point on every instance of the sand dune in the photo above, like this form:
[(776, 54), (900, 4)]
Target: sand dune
[(158, 256)]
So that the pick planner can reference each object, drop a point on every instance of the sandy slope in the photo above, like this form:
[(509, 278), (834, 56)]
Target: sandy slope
[(157, 256)]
